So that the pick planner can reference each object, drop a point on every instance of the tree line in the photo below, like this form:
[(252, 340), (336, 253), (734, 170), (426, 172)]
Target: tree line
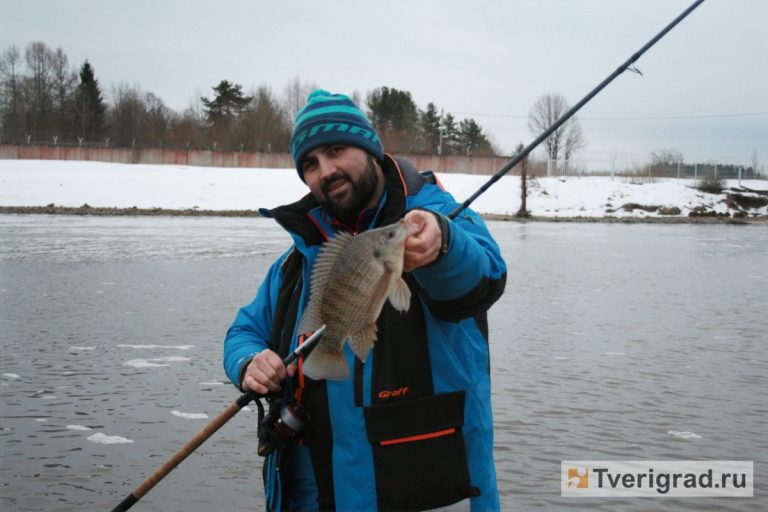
[(44, 99)]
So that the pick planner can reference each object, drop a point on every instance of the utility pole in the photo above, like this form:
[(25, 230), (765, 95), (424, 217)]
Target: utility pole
[(522, 213), (440, 139)]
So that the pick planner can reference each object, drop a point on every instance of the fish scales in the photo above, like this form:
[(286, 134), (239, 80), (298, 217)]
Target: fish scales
[(352, 278)]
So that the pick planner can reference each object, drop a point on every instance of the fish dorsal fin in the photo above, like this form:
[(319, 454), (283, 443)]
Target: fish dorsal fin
[(400, 296), (327, 257), (322, 269)]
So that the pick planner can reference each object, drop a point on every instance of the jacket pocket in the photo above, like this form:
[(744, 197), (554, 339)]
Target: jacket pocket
[(418, 452)]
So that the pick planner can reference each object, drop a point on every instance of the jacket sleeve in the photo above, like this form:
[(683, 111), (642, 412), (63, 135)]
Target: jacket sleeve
[(471, 275), (250, 332)]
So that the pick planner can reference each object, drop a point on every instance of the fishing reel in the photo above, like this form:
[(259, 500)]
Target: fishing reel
[(282, 426)]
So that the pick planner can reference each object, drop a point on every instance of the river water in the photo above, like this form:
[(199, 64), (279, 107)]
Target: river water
[(612, 342)]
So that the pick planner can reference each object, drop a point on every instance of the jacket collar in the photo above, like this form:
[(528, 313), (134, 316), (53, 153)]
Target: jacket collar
[(304, 218)]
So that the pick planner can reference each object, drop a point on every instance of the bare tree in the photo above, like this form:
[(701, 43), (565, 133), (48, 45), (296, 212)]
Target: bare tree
[(189, 128), (127, 117), (665, 162), (564, 141), (64, 86), (11, 108), (265, 126), (356, 97), (159, 118), (39, 88), (295, 96), (574, 141), (666, 156)]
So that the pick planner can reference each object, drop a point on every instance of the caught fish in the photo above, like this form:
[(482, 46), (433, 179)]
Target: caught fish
[(352, 278)]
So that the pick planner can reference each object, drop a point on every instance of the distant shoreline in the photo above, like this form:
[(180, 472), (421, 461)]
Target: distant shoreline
[(124, 212), (195, 212)]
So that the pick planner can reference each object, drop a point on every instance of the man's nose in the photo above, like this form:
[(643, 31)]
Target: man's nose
[(327, 167)]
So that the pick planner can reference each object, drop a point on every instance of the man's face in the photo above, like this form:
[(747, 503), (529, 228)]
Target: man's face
[(344, 179)]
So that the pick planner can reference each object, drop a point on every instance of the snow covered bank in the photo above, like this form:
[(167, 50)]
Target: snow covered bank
[(99, 184)]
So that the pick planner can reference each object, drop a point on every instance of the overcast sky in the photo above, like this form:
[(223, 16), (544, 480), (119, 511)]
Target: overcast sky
[(702, 92)]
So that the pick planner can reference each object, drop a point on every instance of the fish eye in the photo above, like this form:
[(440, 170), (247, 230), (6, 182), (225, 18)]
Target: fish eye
[(390, 234)]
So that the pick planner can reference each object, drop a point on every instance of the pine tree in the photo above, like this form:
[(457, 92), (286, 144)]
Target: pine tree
[(450, 136), (89, 104), (225, 114), (394, 116), (430, 129), (228, 103), (472, 140)]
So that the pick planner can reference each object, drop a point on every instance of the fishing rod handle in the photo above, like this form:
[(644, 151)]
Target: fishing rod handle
[(127, 503)]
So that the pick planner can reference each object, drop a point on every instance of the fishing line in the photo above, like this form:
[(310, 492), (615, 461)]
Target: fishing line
[(246, 398), (627, 65)]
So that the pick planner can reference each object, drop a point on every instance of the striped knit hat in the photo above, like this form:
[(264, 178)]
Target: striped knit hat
[(331, 119)]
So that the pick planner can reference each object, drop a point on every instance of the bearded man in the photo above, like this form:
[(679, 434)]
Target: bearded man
[(411, 429)]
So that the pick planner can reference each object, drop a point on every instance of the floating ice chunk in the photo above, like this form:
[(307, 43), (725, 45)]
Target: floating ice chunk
[(78, 427), (11, 376), (155, 362), (190, 415), (170, 359), (100, 438), (684, 435), (177, 347), (212, 383), (142, 363), (82, 348)]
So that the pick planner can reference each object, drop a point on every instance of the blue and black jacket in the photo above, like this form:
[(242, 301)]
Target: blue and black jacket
[(412, 428)]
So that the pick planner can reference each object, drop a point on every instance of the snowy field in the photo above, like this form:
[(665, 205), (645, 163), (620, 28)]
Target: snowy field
[(99, 184)]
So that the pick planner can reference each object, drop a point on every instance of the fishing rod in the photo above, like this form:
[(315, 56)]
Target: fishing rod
[(557, 124), (208, 431)]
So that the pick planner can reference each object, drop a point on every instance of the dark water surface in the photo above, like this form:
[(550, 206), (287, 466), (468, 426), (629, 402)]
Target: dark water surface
[(612, 342)]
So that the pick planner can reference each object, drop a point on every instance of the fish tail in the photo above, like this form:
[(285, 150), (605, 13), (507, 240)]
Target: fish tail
[(325, 364)]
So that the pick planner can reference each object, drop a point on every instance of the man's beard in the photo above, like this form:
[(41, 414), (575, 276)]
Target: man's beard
[(359, 195)]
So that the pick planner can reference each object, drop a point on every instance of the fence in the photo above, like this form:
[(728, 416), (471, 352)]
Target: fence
[(146, 156), (680, 170), (207, 158)]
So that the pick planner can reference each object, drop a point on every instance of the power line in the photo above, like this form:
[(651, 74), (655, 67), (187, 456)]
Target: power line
[(628, 118), (654, 118)]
